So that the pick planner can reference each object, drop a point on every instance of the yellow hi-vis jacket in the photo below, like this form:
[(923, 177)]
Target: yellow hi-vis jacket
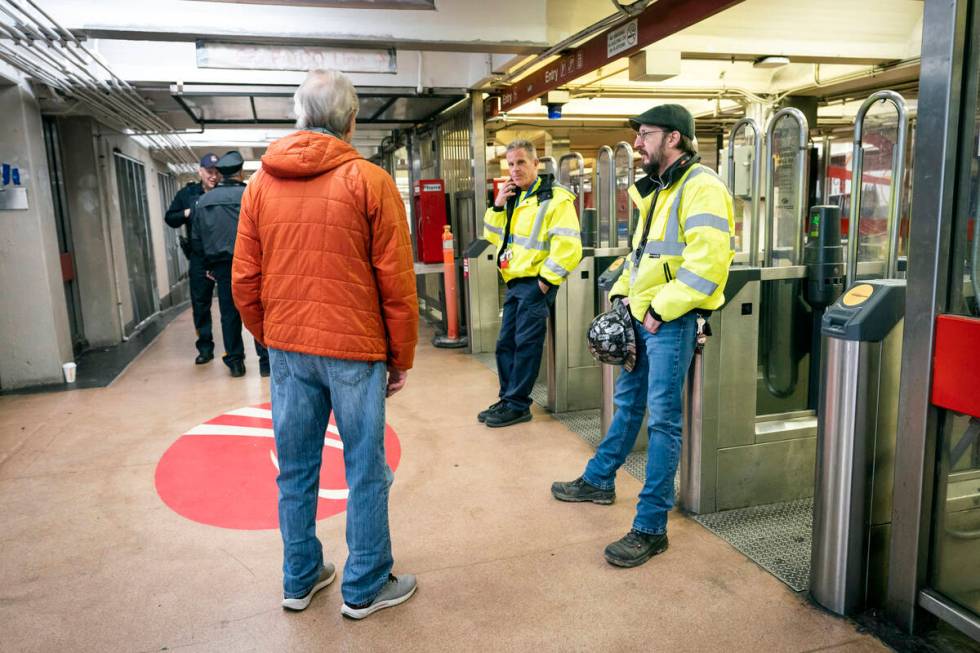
[(684, 264), (541, 232)]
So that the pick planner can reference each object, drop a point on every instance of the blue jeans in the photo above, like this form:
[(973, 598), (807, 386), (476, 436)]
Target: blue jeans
[(655, 384), (305, 389), (521, 340)]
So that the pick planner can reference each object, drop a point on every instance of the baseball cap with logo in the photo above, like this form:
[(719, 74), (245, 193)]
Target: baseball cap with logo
[(209, 160)]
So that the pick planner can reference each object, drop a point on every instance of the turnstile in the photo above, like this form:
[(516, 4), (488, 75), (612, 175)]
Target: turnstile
[(856, 445), (480, 284), (749, 434), (573, 376), (751, 418)]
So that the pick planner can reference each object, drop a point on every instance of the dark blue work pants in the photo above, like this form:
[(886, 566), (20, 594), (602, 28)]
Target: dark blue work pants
[(202, 290), (231, 320), (521, 340)]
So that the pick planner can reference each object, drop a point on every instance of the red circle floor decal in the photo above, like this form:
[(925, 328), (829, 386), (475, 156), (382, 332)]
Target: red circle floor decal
[(223, 472)]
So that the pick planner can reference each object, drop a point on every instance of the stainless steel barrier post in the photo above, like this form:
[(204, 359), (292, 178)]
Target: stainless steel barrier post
[(550, 165), (895, 194), (482, 298), (572, 375), (856, 386), (604, 189), (802, 164), (754, 189), (623, 176), (606, 407), (565, 178)]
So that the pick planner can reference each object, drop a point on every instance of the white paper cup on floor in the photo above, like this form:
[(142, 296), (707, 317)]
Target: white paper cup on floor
[(69, 370)]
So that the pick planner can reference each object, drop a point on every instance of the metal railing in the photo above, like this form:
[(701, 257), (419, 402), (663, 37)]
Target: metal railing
[(754, 188), (801, 166), (895, 194), (604, 188), (622, 167), (565, 176)]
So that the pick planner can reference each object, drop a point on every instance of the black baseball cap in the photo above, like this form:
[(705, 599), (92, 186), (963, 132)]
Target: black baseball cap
[(230, 163), (209, 160)]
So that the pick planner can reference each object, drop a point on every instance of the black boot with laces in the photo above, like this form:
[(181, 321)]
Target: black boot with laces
[(635, 548)]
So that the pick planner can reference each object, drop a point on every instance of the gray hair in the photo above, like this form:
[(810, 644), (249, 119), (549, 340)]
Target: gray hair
[(326, 99), (522, 144)]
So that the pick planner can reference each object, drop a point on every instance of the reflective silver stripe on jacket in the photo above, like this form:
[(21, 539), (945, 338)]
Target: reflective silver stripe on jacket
[(497, 230), (533, 241), (673, 233), (557, 269), (671, 245), (707, 220), (696, 281), (565, 231), (663, 248), (531, 244)]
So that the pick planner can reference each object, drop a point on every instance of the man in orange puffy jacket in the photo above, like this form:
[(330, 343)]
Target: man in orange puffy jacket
[(323, 277)]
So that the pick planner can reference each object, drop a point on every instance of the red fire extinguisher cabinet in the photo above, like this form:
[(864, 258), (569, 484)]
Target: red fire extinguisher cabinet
[(430, 218)]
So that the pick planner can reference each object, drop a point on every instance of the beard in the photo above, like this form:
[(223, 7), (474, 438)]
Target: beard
[(652, 166)]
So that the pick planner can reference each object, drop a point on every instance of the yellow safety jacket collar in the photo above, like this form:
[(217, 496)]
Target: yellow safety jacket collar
[(543, 188), (649, 185), (676, 170)]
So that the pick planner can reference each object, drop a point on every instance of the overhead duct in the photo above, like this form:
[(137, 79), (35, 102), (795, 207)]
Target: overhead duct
[(35, 44), (649, 65)]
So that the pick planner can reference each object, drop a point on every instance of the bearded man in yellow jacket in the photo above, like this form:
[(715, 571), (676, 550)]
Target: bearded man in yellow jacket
[(536, 233), (675, 276)]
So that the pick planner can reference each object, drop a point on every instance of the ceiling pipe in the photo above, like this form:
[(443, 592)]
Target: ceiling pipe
[(53, 56)]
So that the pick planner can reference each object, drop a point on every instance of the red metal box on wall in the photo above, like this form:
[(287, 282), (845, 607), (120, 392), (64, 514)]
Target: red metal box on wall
[(430, 218)]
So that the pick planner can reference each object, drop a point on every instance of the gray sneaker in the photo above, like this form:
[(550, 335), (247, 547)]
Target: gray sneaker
[(581, 490), (397, 590), (327, 574)]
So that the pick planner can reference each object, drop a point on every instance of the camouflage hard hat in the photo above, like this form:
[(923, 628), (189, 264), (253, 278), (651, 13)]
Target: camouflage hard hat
[(612, 339)]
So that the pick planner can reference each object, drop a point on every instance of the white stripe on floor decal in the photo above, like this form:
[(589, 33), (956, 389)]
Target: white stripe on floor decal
[(255, 432), (336, 495), (224, 429), (251, 411)]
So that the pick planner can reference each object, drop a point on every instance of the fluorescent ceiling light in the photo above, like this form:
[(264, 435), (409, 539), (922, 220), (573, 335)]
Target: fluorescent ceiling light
[(770, 62), (243, 56)]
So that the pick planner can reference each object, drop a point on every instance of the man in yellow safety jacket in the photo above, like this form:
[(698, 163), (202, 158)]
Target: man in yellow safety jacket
[(535, 230), (674, 277)]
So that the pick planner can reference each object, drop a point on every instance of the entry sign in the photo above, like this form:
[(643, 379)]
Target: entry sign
[(223, 472)]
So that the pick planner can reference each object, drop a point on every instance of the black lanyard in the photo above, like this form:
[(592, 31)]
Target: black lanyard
[(679, 164)]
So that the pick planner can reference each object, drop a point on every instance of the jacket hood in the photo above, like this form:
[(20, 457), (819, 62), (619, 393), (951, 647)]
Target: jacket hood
[(307, 154)]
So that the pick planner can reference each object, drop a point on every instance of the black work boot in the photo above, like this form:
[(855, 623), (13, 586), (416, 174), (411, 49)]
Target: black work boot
[(635, 549), (505, 416), (580, 490), (481, 417), (204, 357), (236, 368)]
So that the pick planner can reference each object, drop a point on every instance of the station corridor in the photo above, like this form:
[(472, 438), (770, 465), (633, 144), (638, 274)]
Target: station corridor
[(94, 560)]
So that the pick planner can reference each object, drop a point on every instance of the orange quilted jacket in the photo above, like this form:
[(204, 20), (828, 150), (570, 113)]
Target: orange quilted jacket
[(323, 260)]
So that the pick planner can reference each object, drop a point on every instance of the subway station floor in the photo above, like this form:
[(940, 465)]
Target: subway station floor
[(93, 559)]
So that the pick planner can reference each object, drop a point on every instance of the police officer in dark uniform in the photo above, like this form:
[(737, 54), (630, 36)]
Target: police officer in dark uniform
[(181, 214), (215, 227)]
